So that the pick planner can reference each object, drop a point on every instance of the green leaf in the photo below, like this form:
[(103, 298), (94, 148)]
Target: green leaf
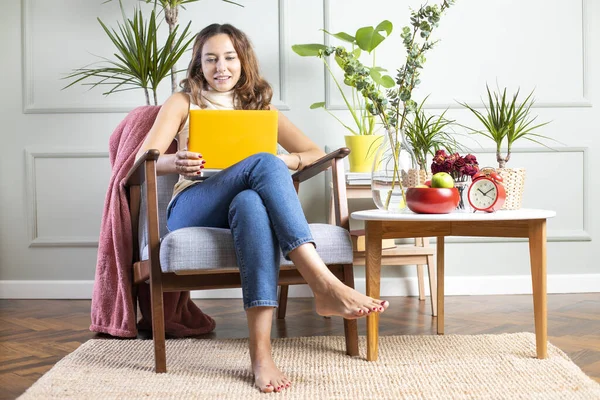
[(376, 75), (346, 37), (308, 50), (385, 26), (380, 69), (368, 39), (320, 104), (387, 81)]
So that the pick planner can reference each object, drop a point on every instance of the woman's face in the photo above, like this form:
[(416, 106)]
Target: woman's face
[(220, 63)]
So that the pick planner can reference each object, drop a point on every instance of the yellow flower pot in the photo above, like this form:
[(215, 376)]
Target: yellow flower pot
[(362, 151)]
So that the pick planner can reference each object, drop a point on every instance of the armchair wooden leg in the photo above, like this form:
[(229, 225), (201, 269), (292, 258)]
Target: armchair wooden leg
[(158, 328), (350, 325), (351, 335), (283, 297), (432, 285)]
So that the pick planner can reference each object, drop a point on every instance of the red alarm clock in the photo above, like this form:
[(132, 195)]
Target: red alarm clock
[(487, 193)]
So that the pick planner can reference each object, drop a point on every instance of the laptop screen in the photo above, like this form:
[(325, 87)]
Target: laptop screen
[(225, 137)]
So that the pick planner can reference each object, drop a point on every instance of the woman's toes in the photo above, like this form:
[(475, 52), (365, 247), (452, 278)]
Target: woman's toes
[(279, 385), (385, 304), (268, 388)]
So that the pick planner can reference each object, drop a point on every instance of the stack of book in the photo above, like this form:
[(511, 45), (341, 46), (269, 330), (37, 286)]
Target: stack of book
[(358, 178)]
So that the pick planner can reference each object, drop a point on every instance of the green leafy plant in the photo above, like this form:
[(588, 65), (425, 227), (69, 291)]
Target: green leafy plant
[(394, 106), (367, 39), (429, 133), (141, 61), (507, 120)]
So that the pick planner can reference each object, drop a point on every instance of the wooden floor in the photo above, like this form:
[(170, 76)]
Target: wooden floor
[(35, 334)]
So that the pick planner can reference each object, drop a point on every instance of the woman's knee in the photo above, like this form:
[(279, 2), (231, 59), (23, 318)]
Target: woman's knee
[(246, 201)]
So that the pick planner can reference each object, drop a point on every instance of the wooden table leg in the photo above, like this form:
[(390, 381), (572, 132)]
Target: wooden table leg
[(440, 285), (537, 255), (373, 278)]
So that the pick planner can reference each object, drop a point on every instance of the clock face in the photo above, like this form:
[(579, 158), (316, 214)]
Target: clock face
[(483, 194)]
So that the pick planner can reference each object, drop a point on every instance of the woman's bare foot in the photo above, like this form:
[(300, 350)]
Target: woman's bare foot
[(267, 377), (331, 295), (335, 298)]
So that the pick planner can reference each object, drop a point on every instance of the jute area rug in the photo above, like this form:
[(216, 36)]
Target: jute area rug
[(411, 367)]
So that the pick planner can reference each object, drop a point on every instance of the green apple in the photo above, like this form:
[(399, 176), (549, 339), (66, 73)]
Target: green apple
[(442, 180)]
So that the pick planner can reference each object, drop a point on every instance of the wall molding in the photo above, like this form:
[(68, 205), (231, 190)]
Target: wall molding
[(31, 154), (554, 235), (584, 101), (29, 106), (408, 286)]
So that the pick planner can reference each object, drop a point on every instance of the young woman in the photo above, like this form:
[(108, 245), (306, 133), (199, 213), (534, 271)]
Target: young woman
[(255, 198)]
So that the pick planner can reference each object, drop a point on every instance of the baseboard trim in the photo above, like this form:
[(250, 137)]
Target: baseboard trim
[(455, 286)]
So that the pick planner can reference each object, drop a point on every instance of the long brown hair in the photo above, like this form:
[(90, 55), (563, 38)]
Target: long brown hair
[(252, 92)]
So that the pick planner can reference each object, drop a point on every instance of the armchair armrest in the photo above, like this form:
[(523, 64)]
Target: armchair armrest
[(320, 165), (136, 174), (333, 160)]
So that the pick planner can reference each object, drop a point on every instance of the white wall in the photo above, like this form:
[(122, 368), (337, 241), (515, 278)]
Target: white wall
[(56, 139)]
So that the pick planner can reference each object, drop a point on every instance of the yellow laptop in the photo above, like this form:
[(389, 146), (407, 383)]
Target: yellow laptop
[(225, 137)]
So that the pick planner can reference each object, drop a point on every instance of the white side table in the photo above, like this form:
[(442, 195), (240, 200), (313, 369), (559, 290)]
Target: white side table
[(524, 223)]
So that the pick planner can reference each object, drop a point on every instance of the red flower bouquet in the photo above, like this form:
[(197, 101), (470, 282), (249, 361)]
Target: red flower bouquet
[(461, 168)]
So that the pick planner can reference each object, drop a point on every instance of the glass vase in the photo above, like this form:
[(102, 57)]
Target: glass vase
[(463, 184), (390, 176)]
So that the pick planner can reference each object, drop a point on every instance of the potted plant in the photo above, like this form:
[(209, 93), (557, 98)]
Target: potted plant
[(395, 155), (427, 134), (363, 129), (142, 60), (508, 120)]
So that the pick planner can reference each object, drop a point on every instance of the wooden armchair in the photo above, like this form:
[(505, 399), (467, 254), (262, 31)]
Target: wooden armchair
[(155, 248)]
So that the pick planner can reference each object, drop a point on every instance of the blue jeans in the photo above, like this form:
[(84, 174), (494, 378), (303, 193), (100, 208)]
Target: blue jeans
[(255, 198)]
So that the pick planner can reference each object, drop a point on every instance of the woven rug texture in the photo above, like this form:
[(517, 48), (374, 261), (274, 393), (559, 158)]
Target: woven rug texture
[(409, 367)]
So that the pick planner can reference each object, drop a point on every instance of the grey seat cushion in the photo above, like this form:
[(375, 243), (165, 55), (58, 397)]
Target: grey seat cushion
[(194, 249)]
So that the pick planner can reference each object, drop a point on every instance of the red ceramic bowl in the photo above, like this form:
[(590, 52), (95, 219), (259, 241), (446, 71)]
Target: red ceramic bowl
[(432, 200)]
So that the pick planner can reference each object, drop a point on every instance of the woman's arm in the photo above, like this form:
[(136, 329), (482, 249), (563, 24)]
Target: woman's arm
[(303, 151), (169, 120)]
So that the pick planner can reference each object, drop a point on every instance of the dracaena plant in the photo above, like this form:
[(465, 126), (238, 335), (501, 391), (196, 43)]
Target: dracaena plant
[(141, 60), (427, 134), (506, 119), (366, 39)]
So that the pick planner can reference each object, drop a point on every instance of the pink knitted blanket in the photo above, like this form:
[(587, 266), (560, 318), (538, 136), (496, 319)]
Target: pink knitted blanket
[(112, 304)]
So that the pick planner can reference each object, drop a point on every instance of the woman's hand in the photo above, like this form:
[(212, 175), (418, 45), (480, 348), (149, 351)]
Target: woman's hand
[(188, 163), (291, 160)]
